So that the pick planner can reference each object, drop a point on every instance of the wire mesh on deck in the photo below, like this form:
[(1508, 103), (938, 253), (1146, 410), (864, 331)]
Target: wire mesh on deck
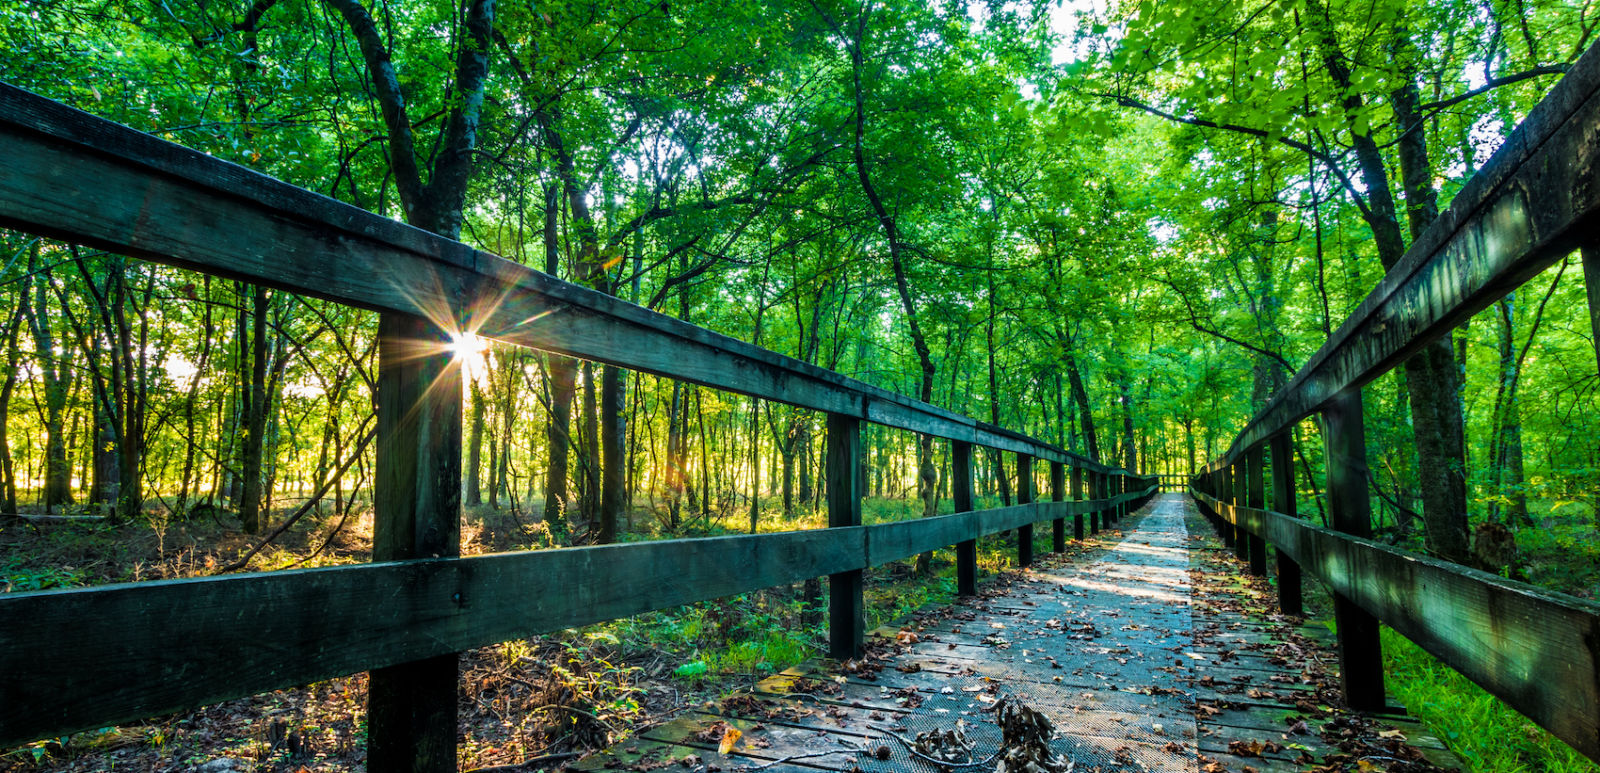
[(1113, 732)]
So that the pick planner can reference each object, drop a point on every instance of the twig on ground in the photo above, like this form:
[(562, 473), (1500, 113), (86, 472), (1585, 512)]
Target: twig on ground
[(523, 765), (791, 758), (936, 761)]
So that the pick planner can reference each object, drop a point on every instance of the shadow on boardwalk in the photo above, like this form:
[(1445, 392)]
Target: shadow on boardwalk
[(1148, 650)]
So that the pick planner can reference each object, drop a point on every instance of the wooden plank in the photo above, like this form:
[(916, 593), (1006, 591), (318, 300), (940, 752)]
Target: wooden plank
[(1077, 496), (1537, 650), (893, 541), (78, 659), (1290, 594), (961, 502), (411, 707), (1024, 497), (1526, 208), (1350, 510), (902, 539), (847, 610), (73, 176), (1058, 493), (1255, 469)]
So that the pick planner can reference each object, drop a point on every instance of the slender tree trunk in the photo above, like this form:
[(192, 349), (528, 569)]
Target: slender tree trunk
[(589, 450), (613, 432), (1080, 396), (13, 358), (256, 410), (56, 372), (474, 492), (1431, 374), (562, 372)]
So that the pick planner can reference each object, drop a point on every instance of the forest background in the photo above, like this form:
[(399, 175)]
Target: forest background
[(1119, 228)]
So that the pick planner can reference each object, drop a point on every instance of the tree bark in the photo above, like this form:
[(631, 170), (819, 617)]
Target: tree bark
[(257, 407), (474, 487), (1436, 414), (55, 370)]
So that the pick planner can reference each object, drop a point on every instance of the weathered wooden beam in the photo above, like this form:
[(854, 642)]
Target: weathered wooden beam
[(72, 176), (1099, 479), (961, 502), (1024, 497), (411, 707), (1058, 493), (1530, 205), (1077, 496), (1350, 508), (1256, 497), (847, 621), (79, 659), (73, 660), (1290, 594), (1537, 650)]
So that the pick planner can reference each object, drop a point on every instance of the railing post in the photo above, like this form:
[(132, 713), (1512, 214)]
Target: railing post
[(1254, 462), (846, 611), (1241, 489), (1098, 492), (1360, 653), (1224, 495), (1283, 501), (411, 707), (1077, 496), (961, 500), (1024, 497), (1058, 493), (1119, 485)]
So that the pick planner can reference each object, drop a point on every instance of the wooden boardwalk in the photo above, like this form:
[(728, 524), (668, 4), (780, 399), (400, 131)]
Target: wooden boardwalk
[(1147, 649)]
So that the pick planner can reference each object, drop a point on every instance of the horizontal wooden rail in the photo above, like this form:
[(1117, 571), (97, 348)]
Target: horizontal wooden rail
[(1526, 208), (1537, 650), (71, 175), (79, 659)]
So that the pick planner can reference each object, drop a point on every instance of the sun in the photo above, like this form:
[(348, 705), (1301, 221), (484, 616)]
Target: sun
[(470, 352)]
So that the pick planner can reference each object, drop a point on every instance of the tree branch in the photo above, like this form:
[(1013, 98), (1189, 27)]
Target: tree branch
[(1494, 83), (1328, 161), (1194, 321), (392, 103)]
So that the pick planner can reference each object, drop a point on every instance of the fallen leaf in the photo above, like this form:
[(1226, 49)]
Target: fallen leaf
[(729, 738)]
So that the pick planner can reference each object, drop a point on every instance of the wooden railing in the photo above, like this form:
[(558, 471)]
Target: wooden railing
[(72, 660), (1536, 201)]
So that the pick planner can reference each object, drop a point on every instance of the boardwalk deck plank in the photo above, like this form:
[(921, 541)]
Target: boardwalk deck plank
[(1147, 654)]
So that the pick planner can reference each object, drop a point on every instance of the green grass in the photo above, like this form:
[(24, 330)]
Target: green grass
[(1481, 729)]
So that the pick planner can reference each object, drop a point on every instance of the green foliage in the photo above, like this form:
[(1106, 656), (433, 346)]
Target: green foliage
[(1480, 728)]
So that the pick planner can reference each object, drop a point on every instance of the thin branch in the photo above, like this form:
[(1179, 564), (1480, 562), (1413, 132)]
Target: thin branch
[(1194, 321), (1494, 83), (1327, 160)]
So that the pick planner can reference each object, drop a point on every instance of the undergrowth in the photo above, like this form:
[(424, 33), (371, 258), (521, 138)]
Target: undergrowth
[(1481, 729)]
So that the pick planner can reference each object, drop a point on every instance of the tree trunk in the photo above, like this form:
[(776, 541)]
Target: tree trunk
[(56, 372), (1436, 415), (256, 409), (474, 492), (589, 452), (1080, 396), (613, 432), (562, 373)]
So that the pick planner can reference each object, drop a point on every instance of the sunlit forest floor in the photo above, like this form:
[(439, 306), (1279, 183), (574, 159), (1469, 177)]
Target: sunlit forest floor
[(553, 696)]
